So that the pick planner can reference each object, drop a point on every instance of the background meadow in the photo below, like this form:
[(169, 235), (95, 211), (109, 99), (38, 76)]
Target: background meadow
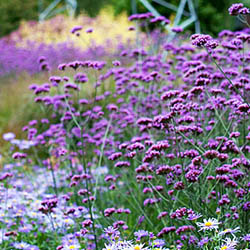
[(114, 137)]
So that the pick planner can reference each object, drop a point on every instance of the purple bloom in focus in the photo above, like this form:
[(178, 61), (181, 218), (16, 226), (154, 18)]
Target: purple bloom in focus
[(200, 40), (238, 8), (246, 237), (244, 11)]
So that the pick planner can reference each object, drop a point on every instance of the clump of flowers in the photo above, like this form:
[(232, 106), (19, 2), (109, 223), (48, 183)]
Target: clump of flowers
[(135, 162), (237, 9), (150, 243)]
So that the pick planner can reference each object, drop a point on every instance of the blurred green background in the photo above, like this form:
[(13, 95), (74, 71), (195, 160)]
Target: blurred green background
[(13, 11)]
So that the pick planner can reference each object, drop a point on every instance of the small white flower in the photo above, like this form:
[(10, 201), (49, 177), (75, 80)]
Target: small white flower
[(139, 247), (209, 224), (120, 245), (229, 231), (229, 244), (109, 247), (71, 247), (8, 136)]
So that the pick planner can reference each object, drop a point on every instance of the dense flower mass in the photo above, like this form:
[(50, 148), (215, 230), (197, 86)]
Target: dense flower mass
[(238, 8), (145, 151)]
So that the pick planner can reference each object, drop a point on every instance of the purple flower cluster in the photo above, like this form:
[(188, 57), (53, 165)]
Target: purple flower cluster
[(238, 8), (153, 146), (41, 57), (166, 153), (206, 41)]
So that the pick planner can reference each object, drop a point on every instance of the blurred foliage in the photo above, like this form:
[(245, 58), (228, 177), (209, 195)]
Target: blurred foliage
[(57, 30), (214, 17), (16, 100), (92, 7), (12, 12), (212, 14)]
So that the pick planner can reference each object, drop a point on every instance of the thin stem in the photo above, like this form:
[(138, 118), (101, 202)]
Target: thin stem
[(220, 69), (217, 114), (54, 180), (101, 155)]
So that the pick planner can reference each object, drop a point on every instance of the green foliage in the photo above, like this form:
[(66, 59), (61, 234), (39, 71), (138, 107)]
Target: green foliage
[(211, 23), (92, 7), (12, 12), (213, 14)]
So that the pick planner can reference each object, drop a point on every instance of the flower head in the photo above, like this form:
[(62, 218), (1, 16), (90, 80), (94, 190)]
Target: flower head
[(229, 231), (140, 234), (238, 8), (194, 216), (31, 247), (89, 30), (72, 247), (209, 224), (138, 247), (8, 136), (202, 40), (21, 245), (76, 29), (177, 29), (229, 244), (112, 233), (246, 237), (121, 245)]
